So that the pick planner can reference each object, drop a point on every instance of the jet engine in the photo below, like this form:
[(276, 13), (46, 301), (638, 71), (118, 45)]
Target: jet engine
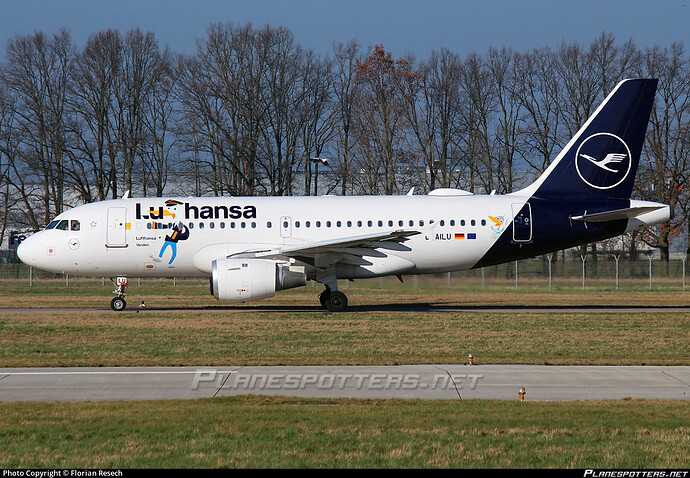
[(244, 280)]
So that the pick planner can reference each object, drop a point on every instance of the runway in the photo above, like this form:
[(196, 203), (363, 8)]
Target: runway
[(439, 382), (402, 308)]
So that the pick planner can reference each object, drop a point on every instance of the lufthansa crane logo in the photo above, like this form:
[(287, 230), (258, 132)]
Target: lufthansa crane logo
[(603, 161)]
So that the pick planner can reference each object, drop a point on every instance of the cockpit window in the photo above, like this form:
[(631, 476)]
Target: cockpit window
[(63, 225), (74, 225), (52, 224)]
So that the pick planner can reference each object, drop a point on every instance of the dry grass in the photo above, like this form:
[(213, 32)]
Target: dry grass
[(184, 325), (312, 337)]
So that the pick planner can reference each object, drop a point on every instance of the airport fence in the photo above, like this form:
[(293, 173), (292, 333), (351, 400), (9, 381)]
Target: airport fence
[(603, 272)]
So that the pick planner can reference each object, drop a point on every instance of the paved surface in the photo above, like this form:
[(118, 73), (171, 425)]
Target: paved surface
[(412, 308), (450, 382)]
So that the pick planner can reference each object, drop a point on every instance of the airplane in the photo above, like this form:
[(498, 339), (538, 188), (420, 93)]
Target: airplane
[(251, 247)]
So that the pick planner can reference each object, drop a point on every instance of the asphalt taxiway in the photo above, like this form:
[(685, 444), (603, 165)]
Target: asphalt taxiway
[(443, 382), (409, 308)]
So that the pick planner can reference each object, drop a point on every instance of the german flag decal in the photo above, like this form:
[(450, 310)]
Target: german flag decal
[(459, 235)]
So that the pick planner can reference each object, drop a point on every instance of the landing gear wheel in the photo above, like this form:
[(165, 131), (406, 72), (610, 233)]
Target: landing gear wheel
[(118, 303), (324, 296), (336, 302)]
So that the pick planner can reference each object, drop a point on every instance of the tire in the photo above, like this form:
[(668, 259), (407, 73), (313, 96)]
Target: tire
[(337, 302), (118, 304), (323, 297)]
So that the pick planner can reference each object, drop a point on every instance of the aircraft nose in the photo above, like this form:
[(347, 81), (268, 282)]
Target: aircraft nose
[(27, 251)]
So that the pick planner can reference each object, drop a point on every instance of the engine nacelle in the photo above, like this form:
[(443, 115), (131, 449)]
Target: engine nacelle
[(244, 280)]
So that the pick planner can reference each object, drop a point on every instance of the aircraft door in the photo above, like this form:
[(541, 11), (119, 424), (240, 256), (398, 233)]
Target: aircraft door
[(285, 227), (116, 235), (522, 223)]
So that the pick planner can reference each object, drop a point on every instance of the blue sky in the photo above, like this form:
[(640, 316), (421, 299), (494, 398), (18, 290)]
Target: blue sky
[(401, 26)]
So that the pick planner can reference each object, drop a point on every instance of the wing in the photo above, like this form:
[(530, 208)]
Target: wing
[(614, 158), (347, 250)]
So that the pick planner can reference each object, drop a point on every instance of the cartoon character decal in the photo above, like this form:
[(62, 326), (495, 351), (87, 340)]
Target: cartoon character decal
[(180, 232), (497, 227)]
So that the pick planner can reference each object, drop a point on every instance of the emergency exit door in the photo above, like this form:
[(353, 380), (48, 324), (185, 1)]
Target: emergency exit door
[(522, 223), (116, 235), (285, 227)]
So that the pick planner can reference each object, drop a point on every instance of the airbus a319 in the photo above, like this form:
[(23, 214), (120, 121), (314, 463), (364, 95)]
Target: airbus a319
[(251, 247)]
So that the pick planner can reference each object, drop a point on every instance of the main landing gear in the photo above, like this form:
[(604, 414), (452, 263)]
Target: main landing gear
[(119, 303), (333, 300)]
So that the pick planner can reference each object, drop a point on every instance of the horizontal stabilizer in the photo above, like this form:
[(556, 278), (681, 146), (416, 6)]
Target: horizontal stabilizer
[(618, 214)]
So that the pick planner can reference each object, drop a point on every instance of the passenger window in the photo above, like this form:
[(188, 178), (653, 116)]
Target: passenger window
[(269, 225), (442, 222), (369, 223), (473, 222)]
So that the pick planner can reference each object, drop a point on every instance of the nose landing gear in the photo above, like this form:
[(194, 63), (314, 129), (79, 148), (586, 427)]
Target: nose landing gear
[(119, 303)]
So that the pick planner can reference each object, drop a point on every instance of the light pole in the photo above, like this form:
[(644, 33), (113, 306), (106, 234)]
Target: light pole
[(317, 161)]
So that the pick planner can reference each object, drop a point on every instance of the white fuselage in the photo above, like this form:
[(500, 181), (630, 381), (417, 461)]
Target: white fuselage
[(119, 238), (127, 237)]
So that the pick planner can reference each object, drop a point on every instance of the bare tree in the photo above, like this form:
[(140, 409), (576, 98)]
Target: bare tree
[(37, 73), (502, 65), (92, 95), (478, 105), (316, 81), (539, 91), (345, 89), (159, 143), (380, 122), (663, 170), (142, 68)]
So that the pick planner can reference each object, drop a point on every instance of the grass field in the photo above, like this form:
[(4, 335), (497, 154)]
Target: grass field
[(183, 325)]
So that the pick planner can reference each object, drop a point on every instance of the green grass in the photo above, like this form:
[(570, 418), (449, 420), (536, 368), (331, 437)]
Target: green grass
[(263, 432), (191, 328)]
